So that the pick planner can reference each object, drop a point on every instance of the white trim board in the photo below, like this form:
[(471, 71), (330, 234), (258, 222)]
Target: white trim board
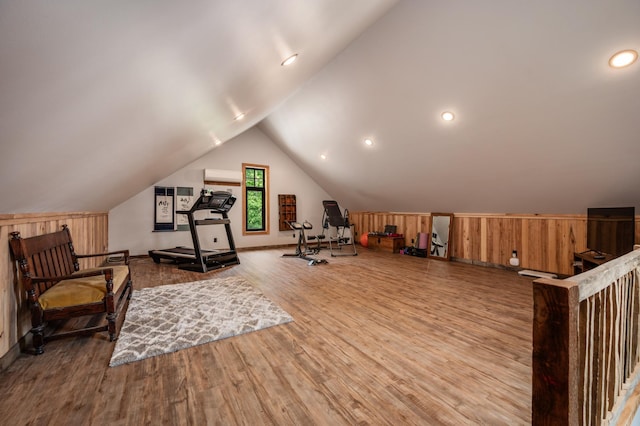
[(537, 274)]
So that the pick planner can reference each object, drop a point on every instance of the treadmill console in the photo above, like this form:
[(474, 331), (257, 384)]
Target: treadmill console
[(218, 201)]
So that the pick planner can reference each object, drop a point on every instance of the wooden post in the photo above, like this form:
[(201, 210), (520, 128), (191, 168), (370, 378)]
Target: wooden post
[(555, 397)]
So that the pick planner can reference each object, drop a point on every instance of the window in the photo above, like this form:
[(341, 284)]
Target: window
[(256, 199)]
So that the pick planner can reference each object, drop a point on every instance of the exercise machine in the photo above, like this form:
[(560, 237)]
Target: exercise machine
[(196, 259), (333, 217), (302, 249), (318, 240)]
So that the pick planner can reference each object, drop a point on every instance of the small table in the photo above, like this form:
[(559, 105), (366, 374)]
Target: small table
[(587, 260)]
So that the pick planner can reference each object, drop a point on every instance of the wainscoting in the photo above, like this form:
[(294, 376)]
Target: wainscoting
[(90, 233), (544, 242)]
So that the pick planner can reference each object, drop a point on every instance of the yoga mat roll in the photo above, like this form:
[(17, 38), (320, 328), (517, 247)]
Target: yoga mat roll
[(422, 240)]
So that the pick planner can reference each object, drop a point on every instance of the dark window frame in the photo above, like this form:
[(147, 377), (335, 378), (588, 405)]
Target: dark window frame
[(262, 188)]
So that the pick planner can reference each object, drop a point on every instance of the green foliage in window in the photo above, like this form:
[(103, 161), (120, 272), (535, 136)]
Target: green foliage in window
[(259, 178), (254, 178), (254, 211), (255, 184), (249, 177)]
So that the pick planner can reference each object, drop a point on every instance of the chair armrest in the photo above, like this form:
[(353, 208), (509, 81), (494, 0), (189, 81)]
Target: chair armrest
[(123, 252)]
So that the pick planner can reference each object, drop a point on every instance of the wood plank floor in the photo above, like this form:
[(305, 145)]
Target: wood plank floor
[(377, 339)]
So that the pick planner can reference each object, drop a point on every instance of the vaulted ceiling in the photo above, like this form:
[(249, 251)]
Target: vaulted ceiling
[(99, 100)]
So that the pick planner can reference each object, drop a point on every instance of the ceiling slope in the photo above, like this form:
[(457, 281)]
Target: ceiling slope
[(99, 100), (542, 123)]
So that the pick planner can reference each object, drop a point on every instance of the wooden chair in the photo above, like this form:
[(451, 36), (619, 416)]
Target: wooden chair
[(57, 289)]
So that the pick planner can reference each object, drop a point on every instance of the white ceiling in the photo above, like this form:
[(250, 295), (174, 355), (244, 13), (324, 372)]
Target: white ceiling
[(99, 100)]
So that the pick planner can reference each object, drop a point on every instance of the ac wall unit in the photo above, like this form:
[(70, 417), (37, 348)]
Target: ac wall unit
[(222, 177)]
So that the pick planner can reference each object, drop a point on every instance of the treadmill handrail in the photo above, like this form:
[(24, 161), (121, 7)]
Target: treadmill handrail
[(212, 221)]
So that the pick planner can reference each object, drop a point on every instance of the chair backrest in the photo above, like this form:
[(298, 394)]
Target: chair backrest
[(334, 215), (44, 256)]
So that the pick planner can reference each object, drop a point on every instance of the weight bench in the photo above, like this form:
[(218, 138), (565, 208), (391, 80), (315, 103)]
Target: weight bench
[(302, 250), (319, 239)]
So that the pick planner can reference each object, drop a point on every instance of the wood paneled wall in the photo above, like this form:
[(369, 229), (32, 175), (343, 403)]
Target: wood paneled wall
[(90, 234), (544, 242), (409, 224)]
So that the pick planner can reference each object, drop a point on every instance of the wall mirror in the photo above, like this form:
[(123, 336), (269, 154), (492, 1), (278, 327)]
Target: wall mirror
[(441, 235)]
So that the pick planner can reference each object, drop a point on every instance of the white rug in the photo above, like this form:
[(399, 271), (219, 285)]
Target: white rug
[(168, 318)]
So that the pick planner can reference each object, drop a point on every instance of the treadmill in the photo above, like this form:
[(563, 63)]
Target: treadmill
[(196, 259)]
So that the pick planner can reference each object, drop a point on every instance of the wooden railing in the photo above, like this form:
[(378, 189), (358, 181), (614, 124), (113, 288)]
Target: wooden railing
[(586, 359)]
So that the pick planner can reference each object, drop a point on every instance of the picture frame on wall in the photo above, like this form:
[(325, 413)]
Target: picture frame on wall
[(185, 200), (164, 208)]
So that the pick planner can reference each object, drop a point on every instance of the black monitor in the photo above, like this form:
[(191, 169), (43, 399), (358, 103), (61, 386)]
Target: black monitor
[(611, 230), (390, 229)]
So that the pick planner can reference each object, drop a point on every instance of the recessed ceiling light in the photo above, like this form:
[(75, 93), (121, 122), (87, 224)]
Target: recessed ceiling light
[(291, 59), (239, 116), (215, 139), (324, 157), (447, 116), (624, 58), (368, 142)]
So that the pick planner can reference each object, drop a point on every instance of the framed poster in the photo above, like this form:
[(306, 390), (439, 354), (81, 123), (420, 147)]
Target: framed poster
[(164, 211), (185, 199)]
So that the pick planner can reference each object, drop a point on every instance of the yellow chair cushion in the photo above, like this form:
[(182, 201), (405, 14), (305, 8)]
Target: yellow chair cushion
[(80, 291)]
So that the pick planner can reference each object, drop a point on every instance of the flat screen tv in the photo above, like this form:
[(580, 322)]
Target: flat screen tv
[(611, 230)]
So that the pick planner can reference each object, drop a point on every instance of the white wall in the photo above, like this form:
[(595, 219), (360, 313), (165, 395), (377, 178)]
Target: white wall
[(131, 223)]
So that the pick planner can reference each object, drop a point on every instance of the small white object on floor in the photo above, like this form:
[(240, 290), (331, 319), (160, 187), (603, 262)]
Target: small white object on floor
[(530, 273)]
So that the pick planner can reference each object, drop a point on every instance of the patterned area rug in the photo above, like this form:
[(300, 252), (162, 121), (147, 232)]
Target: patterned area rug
[(168, 318)]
